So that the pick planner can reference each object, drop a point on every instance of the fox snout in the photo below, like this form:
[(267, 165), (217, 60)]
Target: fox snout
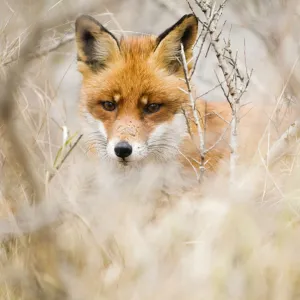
[(126, 150), (127, 140)]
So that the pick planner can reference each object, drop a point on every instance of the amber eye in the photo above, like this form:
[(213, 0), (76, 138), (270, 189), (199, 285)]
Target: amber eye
[(108, 105), (152, 108)]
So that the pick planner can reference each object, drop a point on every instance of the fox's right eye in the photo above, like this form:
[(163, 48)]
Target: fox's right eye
[(108, 105)]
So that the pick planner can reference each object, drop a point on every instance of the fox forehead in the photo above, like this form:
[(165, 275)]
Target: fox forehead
[(134, 76), (135, 48)]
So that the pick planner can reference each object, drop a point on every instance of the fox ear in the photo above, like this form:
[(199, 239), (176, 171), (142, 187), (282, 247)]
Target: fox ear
[(96, 46), (168, 49)]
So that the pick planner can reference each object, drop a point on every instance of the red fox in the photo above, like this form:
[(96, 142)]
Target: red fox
[(132, 98), (133, 103)]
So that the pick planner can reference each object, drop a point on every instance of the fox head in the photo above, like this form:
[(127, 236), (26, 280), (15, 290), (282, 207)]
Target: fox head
[(132, 90)]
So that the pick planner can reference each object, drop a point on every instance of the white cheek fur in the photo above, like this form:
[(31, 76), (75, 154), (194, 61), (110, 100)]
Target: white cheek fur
[(172, 132), (102, 129)]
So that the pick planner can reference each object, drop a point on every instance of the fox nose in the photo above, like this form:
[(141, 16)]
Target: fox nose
[(123, 149)]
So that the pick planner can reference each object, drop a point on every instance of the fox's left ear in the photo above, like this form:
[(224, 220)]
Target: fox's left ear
[(168, 47)]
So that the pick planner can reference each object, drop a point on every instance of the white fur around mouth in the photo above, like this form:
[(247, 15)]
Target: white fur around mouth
[(139, 151), (161, 145)]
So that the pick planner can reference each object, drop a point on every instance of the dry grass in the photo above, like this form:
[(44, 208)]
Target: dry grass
[(63, 238)]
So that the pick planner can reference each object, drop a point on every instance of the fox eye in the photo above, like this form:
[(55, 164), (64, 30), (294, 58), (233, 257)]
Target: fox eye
[(152, 108), (108, 105)]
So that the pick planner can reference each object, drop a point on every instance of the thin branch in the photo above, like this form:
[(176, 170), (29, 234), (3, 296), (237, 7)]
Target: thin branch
[(191, 164), (69, 37), (205, 31), (194, 110), (65, 157), (50, 24), (218, 115), (221, 137), (210, 90), (187, 121)]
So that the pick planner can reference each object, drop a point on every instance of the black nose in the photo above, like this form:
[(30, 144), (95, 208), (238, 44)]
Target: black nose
[(123, 149)]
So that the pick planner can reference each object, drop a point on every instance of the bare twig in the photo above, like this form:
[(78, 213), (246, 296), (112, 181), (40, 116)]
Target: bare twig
[(46, 50), (48, 24), (204, 32), (221, 137), (65, 157), (194, 110), (210, 90)]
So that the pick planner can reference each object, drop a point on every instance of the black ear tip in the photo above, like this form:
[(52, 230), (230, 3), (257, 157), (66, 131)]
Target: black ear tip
[(192, 17), (189, 15), (85, 20)]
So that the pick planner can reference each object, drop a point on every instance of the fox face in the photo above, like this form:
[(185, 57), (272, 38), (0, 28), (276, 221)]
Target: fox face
[(132, 90)]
